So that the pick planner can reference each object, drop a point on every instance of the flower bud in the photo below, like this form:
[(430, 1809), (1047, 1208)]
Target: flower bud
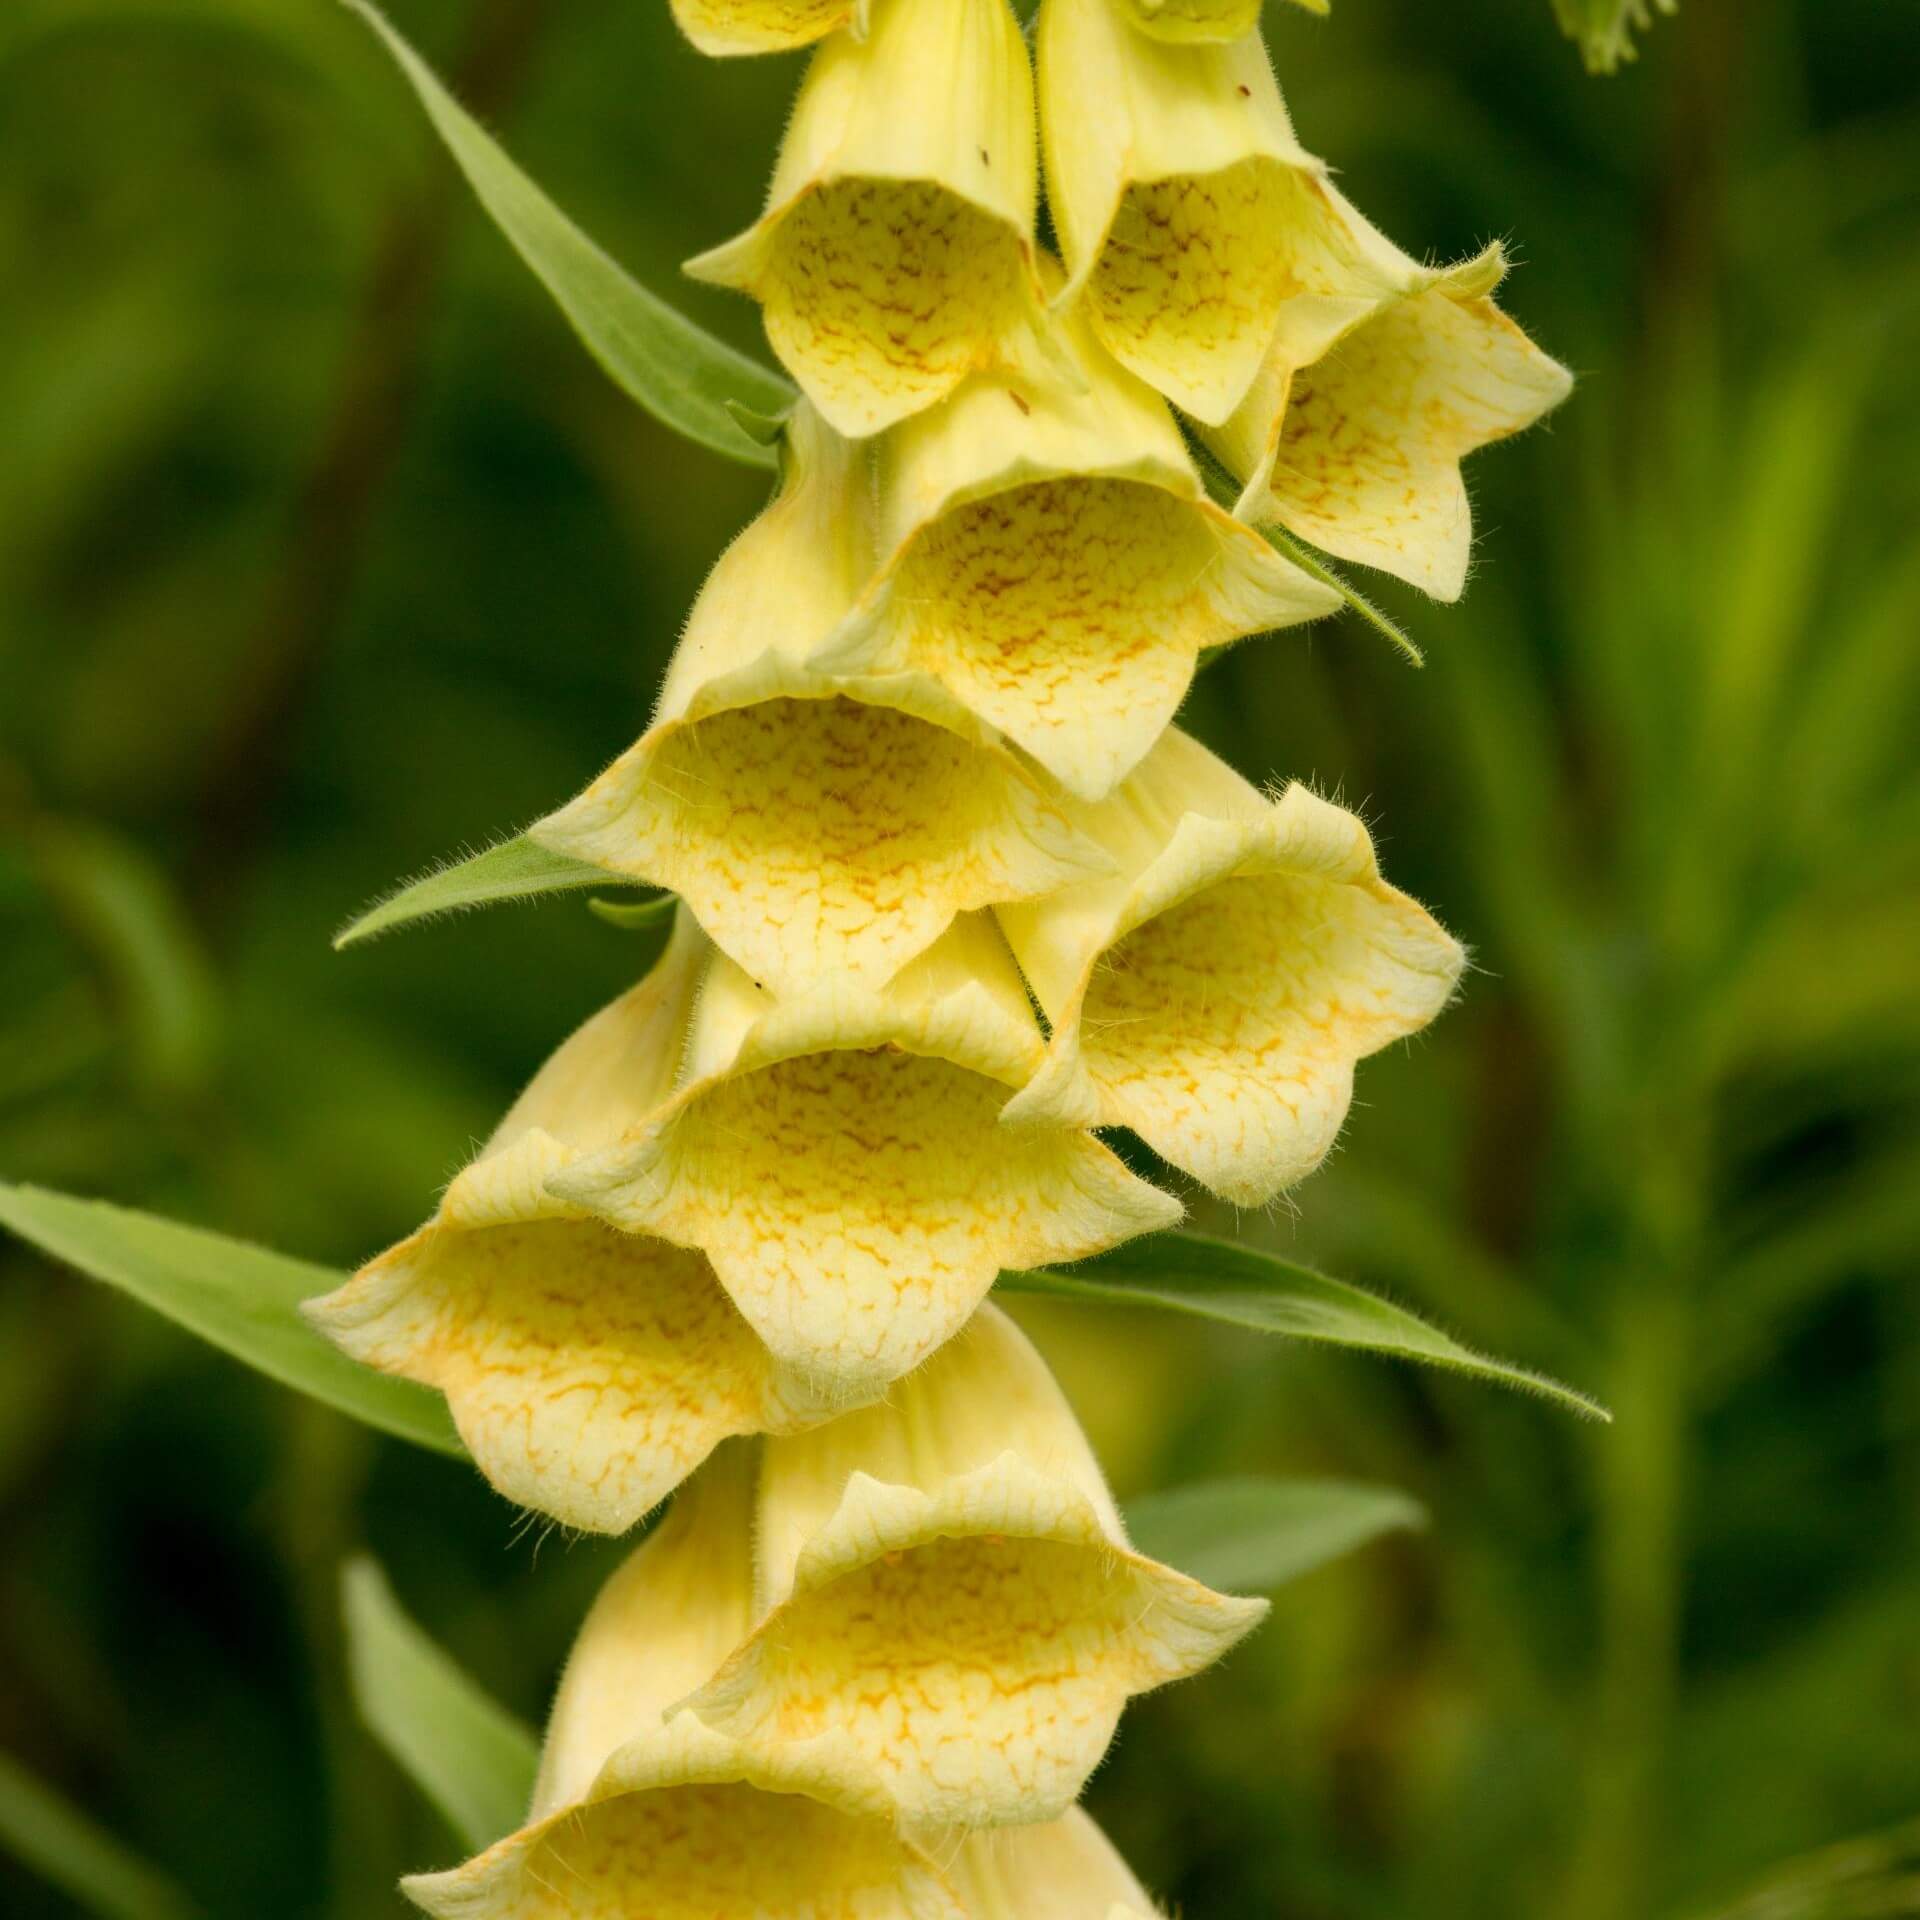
[(1382, 376), (896, 253), (1215, 994), (633, 1814), (839, 1158), (820, 826), (1179, 194), (948, 1604), (1056, 566), (588, 1370)]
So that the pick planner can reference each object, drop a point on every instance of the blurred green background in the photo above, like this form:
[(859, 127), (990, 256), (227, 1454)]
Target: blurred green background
[(324, 550)]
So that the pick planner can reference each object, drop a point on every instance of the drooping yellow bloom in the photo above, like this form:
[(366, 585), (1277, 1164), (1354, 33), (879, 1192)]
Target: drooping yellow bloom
[(1215, 994), (896, 253), (1180, 196), (1382, 376), (588, 1370), (948, 1603), (1063, 1869), (633, 1814), (840, 1159), (726, 27), (820, 826), (1055, 565)]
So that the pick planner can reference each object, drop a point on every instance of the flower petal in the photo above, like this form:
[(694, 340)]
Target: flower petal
[(726, 27), (1063, 1869), (840, 1160), (1057, 568), (951, 1606), (1175, 182), (896, 253), (1215, 996), (818, 826)]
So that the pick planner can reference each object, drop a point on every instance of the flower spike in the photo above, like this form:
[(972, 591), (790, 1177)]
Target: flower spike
[(1381, 378), (896, 253), (588, 1370), (819, 825), (1055, 566), (1215, 995), (632, 1814), (948, 1601), (839, 1158), (1179, 194)]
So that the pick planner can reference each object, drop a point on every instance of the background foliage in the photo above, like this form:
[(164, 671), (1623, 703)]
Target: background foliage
[(324, 550)]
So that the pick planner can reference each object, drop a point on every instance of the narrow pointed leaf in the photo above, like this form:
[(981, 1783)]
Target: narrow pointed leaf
[(1251, 1536), (1216, 1280), (473, 1759), (516, 869), (1310, 563), (240, 1298), (61, 1844), (680, 373)]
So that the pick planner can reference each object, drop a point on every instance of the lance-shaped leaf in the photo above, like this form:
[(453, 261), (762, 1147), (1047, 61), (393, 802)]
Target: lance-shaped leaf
[(64, 1846), (1252, 1535), (516, 869), (680, 373), (1216, 1280), (468, 1754), (240, 1298)]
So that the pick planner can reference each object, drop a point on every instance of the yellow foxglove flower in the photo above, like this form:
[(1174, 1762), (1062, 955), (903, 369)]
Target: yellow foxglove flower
[(1055, 565), (1212, 20), (1177, 189), (1063, 1869), (818, 826), (765, 26), (1215, 994), (948, 1602), (1381, 378), (839, 1158), (634, 1815), (896, 253), (589, 1371)]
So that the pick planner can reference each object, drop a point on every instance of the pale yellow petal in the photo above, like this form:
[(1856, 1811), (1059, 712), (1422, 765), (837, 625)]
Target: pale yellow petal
[(1368, 460), (951, 1606), (896, 253), (677, 1822), (839, 1158), (1215, 995), (1064, 1869), (1176, 185), (727, 27), (818, 825), (1056, 566)]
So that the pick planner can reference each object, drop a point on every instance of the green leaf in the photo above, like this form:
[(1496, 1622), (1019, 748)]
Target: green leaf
[(680, 373), (1315, 568), (1605, 28), (90, 1866), (641, 916), (1250, 1536), (1216, 1280), (516, 869), (242, 1299), (473, 1759)]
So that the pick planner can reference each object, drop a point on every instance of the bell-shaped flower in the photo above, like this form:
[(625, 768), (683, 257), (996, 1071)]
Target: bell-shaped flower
[(1064, 1869), (1179, 194), (588, 1370), (1054, 564), (726, 27), (948, 1603), (839, 1158), (1382, 376), (1215, 994), (819, 826), (896, 254), (632, 1814)]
